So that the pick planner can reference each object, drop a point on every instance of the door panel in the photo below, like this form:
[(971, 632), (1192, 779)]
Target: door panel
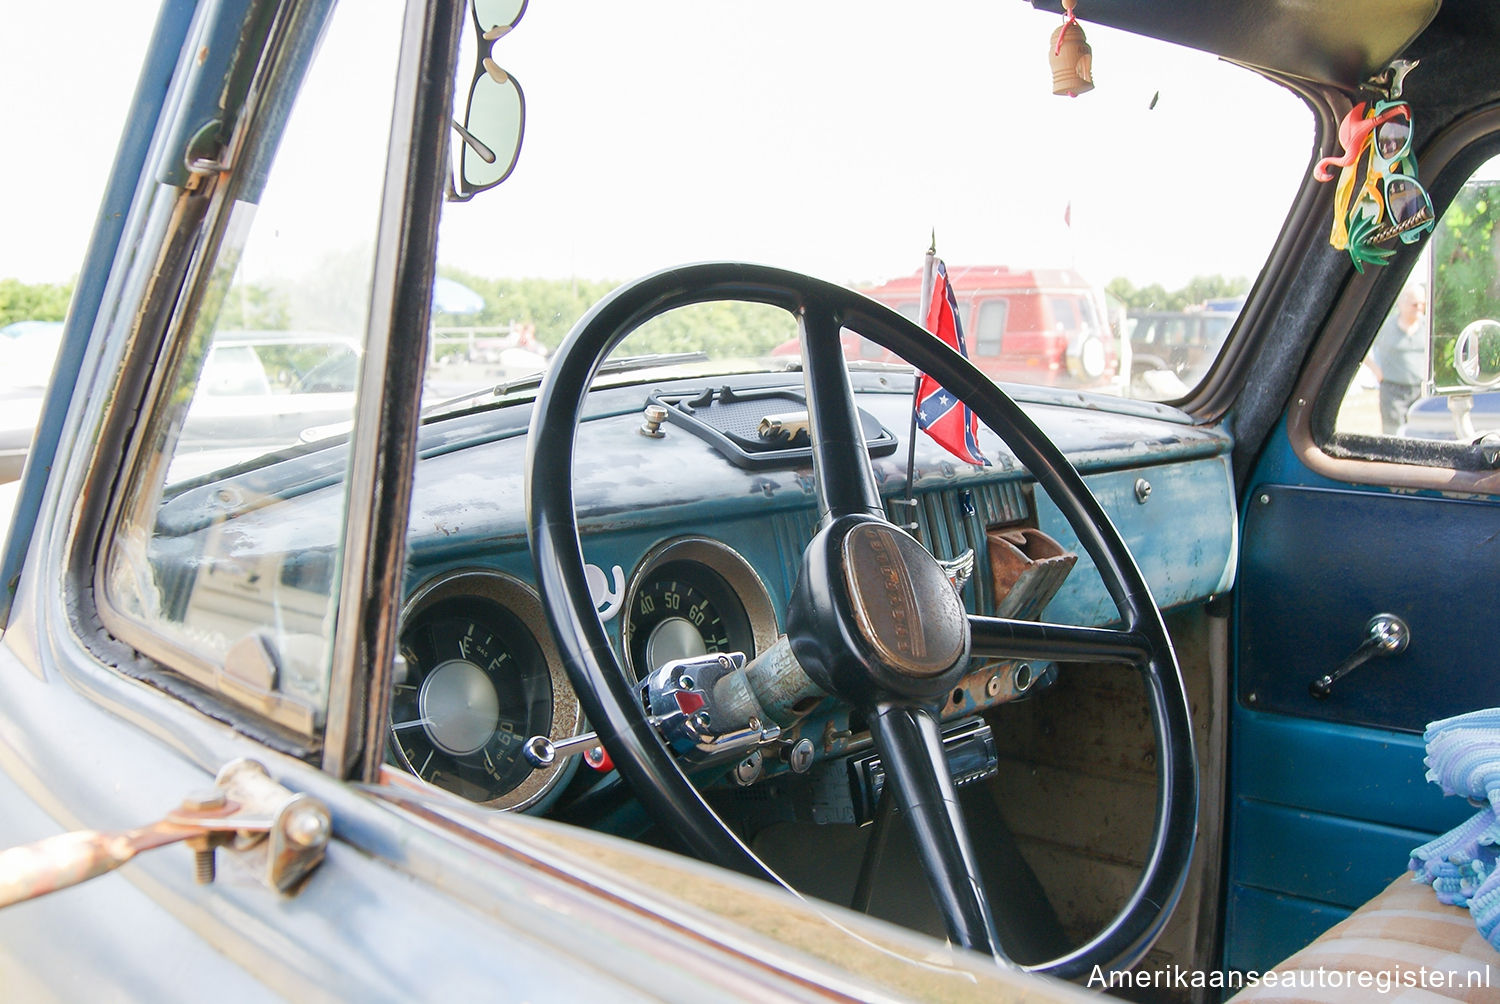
[(1318, 564), (1329, 796)]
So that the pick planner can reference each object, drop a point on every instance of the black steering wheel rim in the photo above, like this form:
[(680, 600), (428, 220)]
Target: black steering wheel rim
[(612, 704)]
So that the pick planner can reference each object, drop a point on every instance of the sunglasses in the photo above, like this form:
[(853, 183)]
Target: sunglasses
[(495, 116), (1390, 202), (1391, 138)]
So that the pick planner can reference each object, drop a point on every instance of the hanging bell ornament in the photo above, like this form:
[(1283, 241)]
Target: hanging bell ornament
[(1071, 57)]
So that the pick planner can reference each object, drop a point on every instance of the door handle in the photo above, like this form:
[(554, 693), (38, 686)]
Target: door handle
[(1385, 635), (245, 806)]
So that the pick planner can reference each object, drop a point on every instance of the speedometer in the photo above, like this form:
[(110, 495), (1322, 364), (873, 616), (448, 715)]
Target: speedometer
[(477, 684), (684, 611), (690, 598)]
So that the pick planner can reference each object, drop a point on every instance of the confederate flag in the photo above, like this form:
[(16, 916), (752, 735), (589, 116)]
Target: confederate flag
[(942, 416)]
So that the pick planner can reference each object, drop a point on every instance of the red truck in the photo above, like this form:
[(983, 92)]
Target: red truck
[(1036, 326)]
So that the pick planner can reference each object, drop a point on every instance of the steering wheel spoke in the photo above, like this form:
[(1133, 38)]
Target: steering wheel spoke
[(1003, 638), (911, 750), (841, 464)]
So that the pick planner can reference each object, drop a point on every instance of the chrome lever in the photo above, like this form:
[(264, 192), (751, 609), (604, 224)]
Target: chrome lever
[(540, 751), (1385, 635)]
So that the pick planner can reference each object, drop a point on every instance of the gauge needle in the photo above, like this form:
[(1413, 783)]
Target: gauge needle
[(411, 724)]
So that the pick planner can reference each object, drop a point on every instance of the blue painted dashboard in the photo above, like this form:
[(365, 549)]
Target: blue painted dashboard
[(634, 491), (1165, 483)]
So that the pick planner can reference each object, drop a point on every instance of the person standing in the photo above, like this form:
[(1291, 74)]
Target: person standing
[(1399, 356)]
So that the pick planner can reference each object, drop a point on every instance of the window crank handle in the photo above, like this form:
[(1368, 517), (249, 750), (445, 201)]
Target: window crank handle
[(1385, 635)]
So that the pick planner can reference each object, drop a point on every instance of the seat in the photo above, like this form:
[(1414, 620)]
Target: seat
[(1403, 945)]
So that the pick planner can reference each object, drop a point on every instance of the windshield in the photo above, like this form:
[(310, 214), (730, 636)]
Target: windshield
[(814, 137), (1098, 242)]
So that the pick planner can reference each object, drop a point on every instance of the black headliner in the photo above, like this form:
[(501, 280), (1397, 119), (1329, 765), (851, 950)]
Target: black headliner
[(1338, 42)]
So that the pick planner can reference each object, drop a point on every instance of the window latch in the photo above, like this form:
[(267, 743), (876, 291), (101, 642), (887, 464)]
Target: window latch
[(284, 834)]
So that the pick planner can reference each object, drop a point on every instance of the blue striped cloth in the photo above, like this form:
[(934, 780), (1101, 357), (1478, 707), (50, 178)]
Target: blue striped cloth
[(1463, 865)]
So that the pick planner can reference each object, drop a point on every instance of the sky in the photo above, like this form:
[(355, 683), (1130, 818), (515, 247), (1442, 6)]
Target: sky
[(67, 71), (850, 193)]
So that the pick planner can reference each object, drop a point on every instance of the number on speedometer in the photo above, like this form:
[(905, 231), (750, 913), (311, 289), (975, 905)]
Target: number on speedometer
[(682, 609)]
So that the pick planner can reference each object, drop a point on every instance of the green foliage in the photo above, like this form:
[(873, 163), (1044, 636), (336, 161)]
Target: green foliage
[(21, 301), (722, 329), (725, 329), (551, 305), (1156, 297), (1466, 279), (251, 307)]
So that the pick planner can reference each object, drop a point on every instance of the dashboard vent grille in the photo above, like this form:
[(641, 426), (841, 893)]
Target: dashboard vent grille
[(954, 520)]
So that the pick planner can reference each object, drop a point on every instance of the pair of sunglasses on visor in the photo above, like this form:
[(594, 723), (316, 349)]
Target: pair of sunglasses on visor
[(1407, 207), (495, 116), (1390, 201)]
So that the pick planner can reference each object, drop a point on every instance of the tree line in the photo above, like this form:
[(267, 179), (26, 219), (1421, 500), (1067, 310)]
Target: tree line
[(20, 301), (1198, 291), (552, 306)]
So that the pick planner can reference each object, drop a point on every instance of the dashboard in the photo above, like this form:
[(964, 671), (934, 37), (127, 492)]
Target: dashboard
[(693, 539)]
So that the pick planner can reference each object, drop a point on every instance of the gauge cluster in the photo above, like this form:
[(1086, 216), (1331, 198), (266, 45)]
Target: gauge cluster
[(692, 596), (482, 674), (478, 682)]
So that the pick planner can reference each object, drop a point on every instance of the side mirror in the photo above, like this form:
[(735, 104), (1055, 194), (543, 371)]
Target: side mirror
[(495, 113), (1476, 354)]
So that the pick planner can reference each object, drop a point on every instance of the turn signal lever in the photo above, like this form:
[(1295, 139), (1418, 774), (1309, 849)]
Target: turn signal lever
[(1385, 635), (707, 709)]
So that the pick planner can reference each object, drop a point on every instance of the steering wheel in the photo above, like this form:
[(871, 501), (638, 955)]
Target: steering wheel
[(848, 617)]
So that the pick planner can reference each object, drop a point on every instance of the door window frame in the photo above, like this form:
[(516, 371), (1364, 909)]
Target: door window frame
[(383, 439), (1448, 162)]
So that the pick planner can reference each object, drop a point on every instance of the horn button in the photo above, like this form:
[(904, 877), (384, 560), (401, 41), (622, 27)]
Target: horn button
[(874, 617), (903, 604)]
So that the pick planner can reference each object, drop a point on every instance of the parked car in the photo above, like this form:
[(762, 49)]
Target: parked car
[(1171, 350), (1038, 326), (686, 674), (1456, 416)]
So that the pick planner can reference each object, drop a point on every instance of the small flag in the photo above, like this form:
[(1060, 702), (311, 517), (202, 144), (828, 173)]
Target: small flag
[(942, 416)]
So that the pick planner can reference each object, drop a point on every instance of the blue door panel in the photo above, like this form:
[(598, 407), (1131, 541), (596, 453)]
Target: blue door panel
[(1328, 797), (1262, 928), (1340, 770), (1319, 563), (1323, 816), (1331, 859)]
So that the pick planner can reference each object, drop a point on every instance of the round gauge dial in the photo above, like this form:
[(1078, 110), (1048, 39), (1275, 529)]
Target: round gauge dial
[(681, 609), (477, 687)]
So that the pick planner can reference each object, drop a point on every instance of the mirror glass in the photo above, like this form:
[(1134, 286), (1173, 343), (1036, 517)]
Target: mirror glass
[(1476, 353)]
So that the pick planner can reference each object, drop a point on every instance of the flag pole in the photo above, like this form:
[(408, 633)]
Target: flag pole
[(923, 305)]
